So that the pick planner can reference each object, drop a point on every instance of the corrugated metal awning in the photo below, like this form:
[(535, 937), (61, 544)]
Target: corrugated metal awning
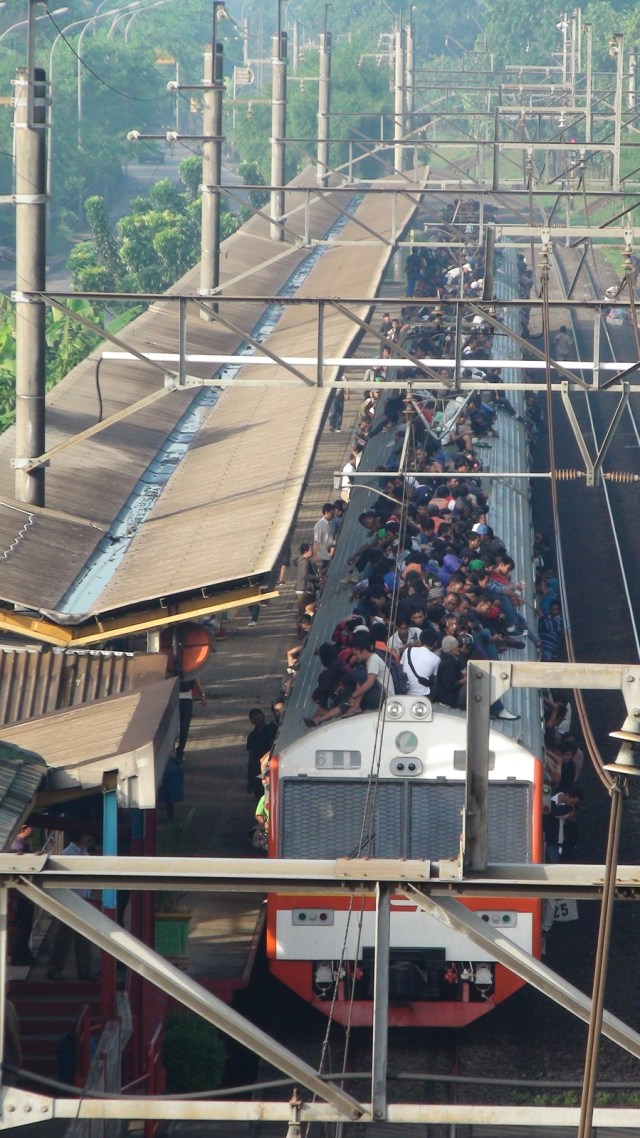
[(132, 734), (228, 505)]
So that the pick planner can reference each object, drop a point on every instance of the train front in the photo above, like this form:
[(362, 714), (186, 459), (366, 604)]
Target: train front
[(393, 787)]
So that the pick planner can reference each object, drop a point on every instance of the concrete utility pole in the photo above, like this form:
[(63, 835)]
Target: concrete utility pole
[(588, 29), (295, 54), (616, 49), (211, 165), (324, 105), (30, 198), (631, 88), (410, 73), (278, 126), (398, 102)]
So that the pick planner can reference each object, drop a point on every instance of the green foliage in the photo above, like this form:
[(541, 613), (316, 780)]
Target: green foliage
[(251, 176), (193, 1054), (157, 241), (67, 343), (191, 174)]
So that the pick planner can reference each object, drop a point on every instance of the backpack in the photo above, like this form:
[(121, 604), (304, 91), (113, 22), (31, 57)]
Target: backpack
[(399, 680)]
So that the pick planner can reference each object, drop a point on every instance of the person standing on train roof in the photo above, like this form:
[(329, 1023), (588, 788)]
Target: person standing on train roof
[(563, 346), (420, 665), (452, 681), (307, 582), (413, 267)]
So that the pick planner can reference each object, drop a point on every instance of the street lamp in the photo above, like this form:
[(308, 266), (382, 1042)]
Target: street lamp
[(61, 35), (158, 4), (483, 31), (626, 766), (24, 23), (80, 62), (120, 17)]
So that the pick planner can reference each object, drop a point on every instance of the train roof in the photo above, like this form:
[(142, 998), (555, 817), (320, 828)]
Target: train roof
[(510, 517), (409, 729)]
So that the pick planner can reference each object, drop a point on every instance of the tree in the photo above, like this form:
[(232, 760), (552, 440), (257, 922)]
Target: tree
[(157, 241)]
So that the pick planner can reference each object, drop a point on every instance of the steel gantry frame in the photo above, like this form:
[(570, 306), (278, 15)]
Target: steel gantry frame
[(435, 887)]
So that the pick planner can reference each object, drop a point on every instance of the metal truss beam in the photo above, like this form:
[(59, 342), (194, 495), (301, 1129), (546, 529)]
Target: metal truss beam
[(294, 877), (21, 1107), (487, 681), (462, 921), (73, 910)]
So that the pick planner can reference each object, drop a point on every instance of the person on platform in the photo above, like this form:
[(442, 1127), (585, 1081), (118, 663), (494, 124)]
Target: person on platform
[(259, 742), (22, 907), (64, 935)]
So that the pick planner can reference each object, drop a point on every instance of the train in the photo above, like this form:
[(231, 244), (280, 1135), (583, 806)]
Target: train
[(391, 784)]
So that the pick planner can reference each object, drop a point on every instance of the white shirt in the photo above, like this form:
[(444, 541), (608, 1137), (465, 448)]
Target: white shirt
[(378, 668), (398, 645), (426, 664)]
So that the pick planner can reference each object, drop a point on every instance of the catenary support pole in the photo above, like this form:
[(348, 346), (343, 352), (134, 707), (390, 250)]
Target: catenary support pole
[(410, 74), (324, 108), (211, 167), (398, 102), (588, 83), (475, 815), (617, 791), (617, 47), (30, 199), (381, 1004), (278, 127)]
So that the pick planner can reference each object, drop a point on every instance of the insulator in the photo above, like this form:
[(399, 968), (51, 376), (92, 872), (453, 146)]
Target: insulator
[(568, 475), (620, 476)]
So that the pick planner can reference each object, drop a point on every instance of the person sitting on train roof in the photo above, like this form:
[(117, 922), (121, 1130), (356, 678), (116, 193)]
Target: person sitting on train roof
[(293, 654), (335, 682), (481, 417), (405, 634), (375, 602), (369, 693), (391, 414), (452, 680)]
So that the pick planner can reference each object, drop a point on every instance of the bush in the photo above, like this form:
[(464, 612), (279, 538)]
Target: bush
[(193, 1054)]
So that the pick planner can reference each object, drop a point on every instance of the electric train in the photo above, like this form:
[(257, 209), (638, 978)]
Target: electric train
[(391, 784)]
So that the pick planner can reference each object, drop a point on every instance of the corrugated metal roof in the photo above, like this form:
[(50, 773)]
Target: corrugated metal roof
[(21, 773), (35, 681), (132, 733), (227, 508)]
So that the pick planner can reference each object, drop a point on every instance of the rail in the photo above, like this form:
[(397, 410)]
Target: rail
[(589, 736)]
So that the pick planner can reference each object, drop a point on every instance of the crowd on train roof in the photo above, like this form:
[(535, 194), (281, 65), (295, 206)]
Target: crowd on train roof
[(432, 584)]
